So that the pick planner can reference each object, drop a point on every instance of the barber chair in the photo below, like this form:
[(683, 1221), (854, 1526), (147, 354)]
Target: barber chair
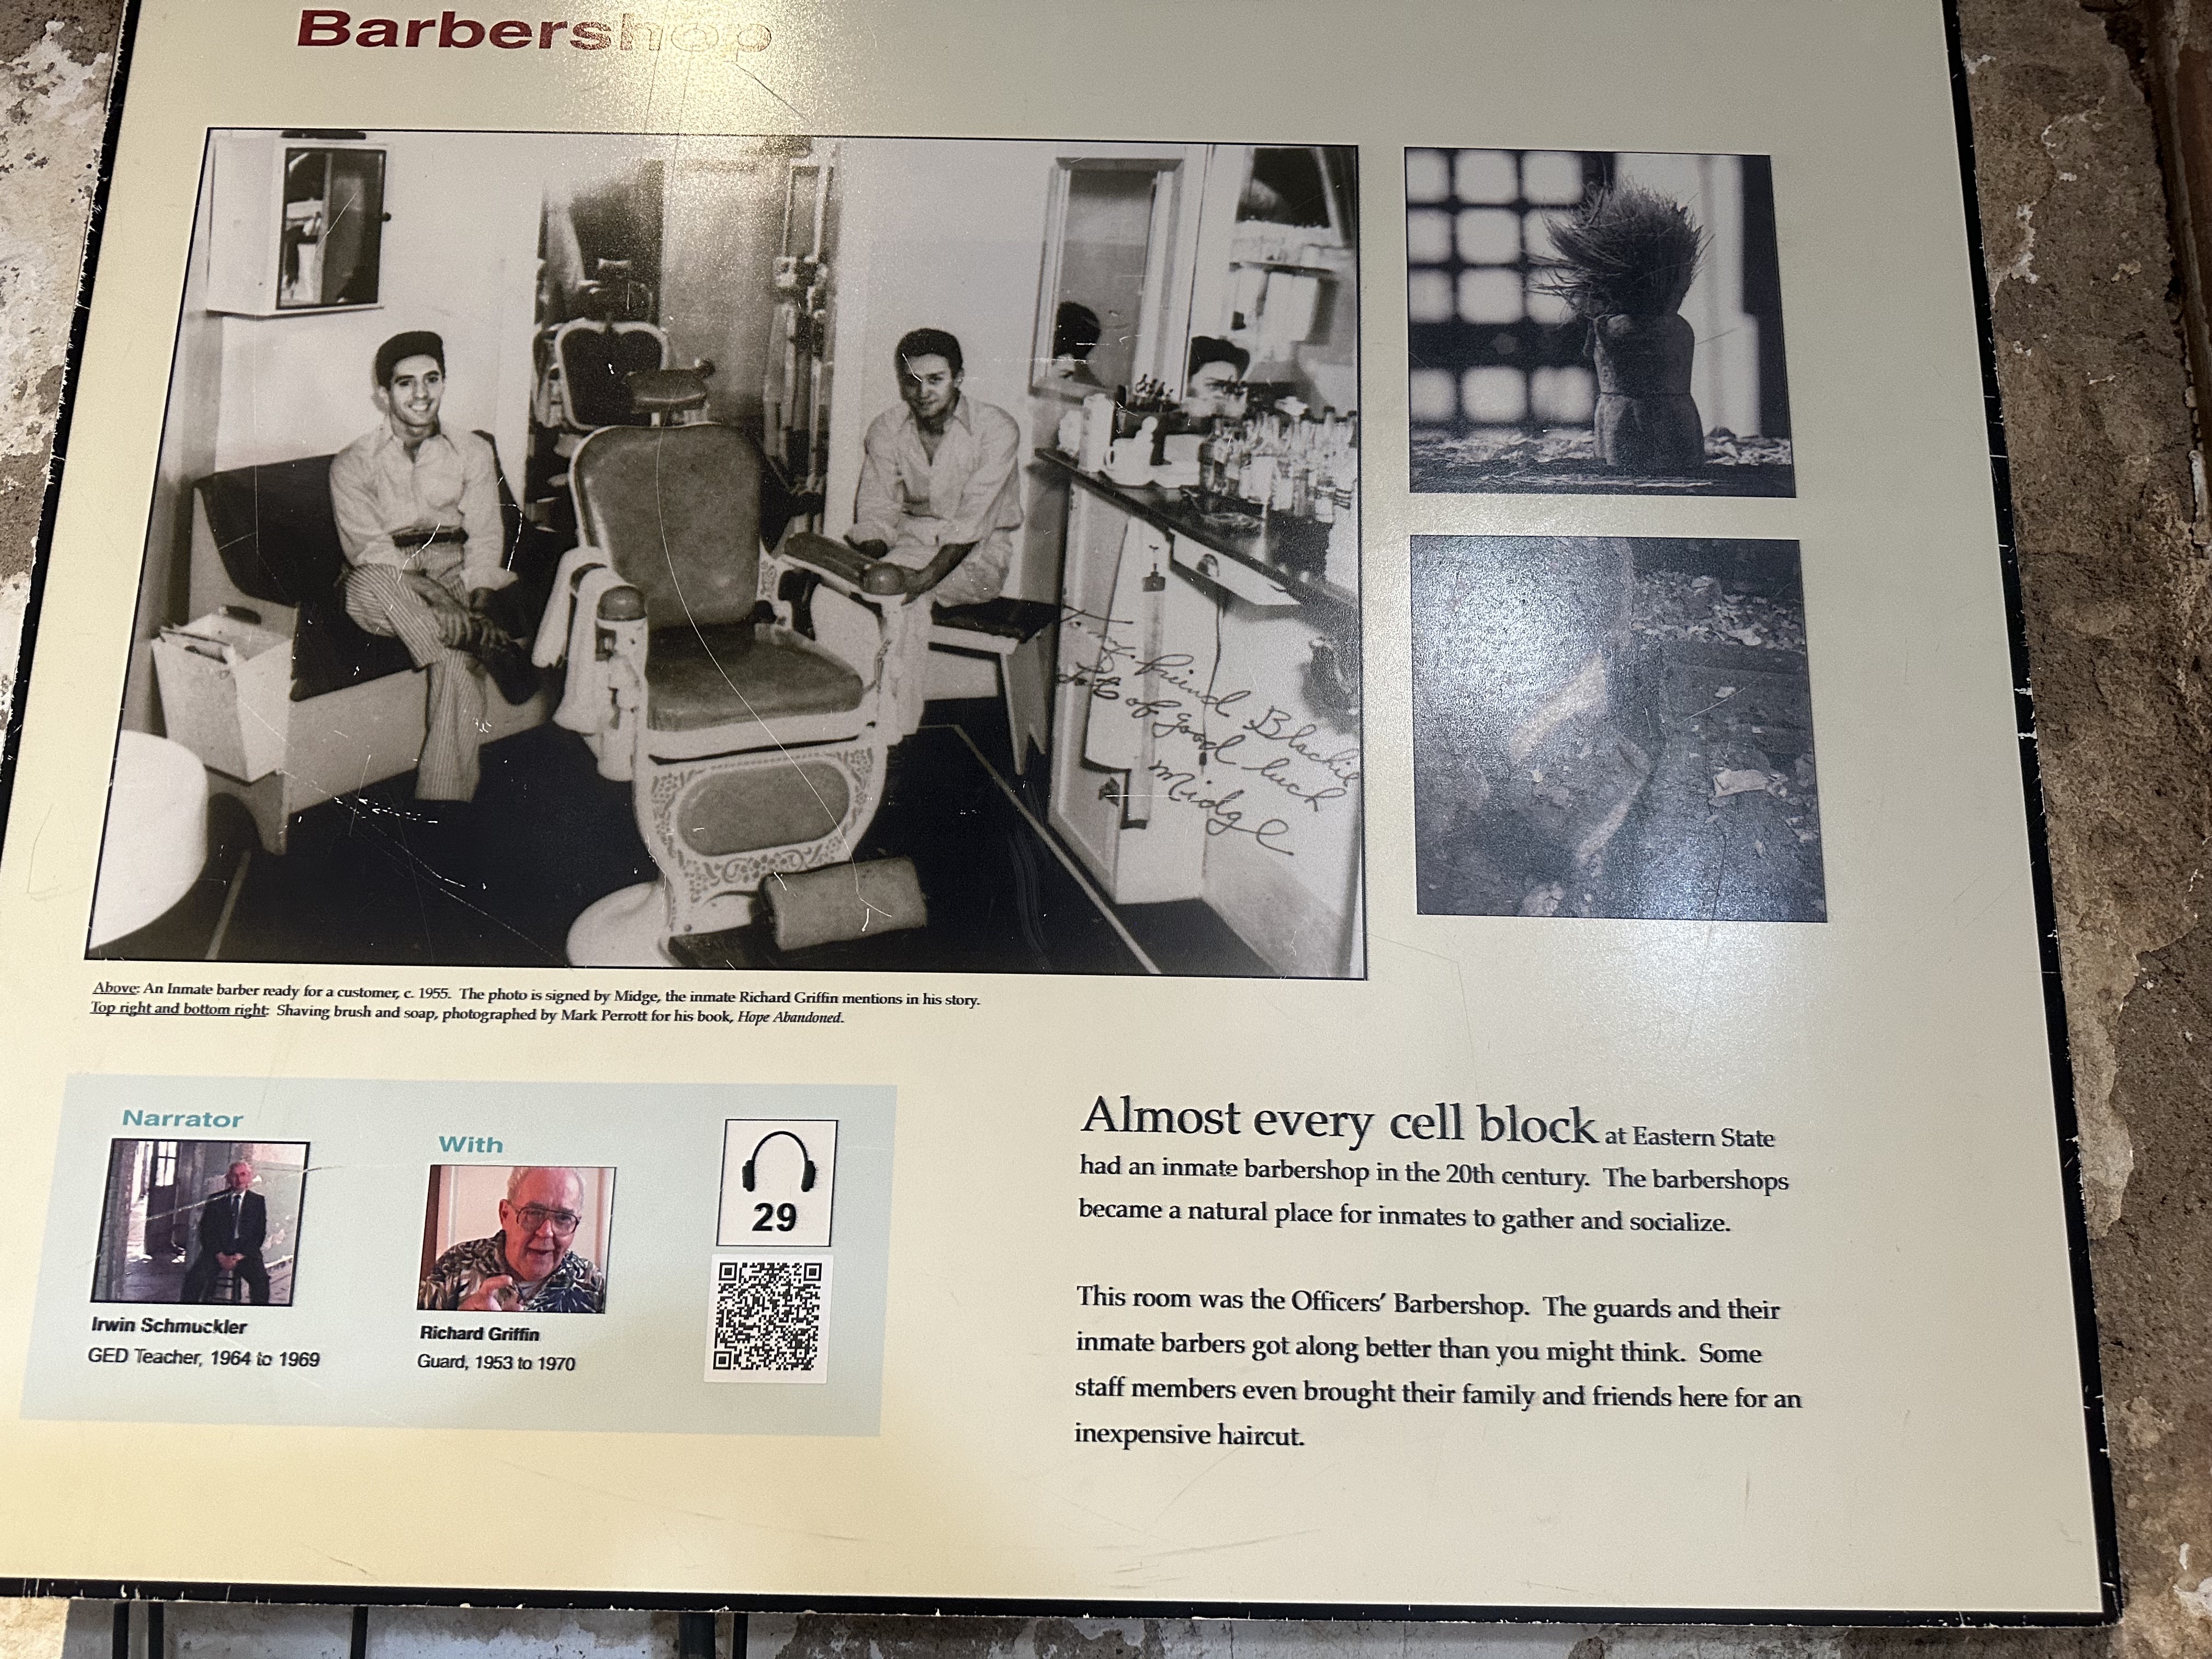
[(744, 706), (592, 374)]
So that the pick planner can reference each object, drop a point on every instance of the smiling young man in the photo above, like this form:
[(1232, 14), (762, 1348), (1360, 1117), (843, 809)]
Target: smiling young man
[(417, 512), (526, 1267), (940, 491)]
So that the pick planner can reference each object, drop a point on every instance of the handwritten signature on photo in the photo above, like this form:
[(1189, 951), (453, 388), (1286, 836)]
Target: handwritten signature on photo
[(1228, 728)]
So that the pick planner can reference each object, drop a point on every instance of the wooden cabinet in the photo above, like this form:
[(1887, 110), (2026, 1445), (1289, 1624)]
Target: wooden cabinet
[(1126, 810), (1206, 736)]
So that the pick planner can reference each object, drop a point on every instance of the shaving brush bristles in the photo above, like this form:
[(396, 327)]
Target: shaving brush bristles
[(1627, 250)]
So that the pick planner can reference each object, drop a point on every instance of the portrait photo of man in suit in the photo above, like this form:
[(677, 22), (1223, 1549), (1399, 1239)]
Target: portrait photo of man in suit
[(201, 1220), (233, 1223)]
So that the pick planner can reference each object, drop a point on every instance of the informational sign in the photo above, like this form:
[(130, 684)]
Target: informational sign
[(900, 805)]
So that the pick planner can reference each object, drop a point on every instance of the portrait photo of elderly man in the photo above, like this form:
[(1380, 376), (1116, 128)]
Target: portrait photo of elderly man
[(532, 1264), (232, 1225)]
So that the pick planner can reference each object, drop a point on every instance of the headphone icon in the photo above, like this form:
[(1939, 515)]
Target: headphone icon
[(806, 1176)]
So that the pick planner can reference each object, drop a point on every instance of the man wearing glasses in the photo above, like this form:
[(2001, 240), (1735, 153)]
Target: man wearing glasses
[(526, 1267)]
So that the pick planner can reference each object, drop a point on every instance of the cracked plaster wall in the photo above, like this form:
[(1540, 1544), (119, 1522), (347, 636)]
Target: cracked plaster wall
[(53, 84), (2114, 580), (2116, 605)]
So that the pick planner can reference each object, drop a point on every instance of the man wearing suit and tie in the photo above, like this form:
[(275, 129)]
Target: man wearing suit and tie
[(233, 1224)]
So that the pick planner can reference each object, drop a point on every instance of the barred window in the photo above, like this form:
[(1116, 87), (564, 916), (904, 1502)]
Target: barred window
[(1489, 347)]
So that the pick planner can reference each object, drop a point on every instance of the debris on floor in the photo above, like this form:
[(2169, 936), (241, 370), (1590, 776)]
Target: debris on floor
[(1688, 790)]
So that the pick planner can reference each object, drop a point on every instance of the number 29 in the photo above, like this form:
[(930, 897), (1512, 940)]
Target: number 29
[(775, 1217)]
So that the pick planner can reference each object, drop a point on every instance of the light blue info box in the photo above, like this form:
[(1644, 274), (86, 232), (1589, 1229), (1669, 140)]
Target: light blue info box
[(344, 1168)]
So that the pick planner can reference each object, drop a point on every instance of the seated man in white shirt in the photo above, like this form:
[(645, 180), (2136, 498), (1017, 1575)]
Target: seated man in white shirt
[(940, 493), (939, 496), (419, 519)]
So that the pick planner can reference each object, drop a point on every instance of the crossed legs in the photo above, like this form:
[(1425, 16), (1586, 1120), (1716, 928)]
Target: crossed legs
[(393, 603)]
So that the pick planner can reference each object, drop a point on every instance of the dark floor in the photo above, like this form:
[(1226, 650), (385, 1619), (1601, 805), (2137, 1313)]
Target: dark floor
[(161, 1278), (1689, 851), (376, 878)]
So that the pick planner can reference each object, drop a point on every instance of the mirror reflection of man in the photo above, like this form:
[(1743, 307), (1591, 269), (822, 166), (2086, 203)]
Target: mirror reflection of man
[(940, 490), (1213, 390), (232, 1225), (526, 1267), (418, 520), (1213, 387), (1075, 334)]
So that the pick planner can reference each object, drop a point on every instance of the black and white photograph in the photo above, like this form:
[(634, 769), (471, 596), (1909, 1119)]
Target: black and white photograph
[(1613, 727), (201, 1221), (1595, 321), (752, 553)]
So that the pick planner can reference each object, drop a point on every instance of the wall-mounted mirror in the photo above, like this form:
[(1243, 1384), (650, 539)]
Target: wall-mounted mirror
[(1108, 248), (331, 234)]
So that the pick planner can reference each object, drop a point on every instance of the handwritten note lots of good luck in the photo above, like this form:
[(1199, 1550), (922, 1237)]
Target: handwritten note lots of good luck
[(1253, 767)]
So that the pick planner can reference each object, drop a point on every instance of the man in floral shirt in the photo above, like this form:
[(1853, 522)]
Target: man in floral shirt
[(526, 1267)]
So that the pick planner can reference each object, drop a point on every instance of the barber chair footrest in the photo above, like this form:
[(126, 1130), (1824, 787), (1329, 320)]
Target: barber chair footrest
[(628, 928), (844, 902)]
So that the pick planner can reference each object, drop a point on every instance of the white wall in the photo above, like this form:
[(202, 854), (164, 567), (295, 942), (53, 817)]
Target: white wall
[(1724, 375), (459, 257), (461, 252), (942, 234), (188, 448)]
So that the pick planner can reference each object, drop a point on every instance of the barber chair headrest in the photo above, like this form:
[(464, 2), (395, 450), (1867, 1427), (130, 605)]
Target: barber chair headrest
[(667, 391), (596, 364)]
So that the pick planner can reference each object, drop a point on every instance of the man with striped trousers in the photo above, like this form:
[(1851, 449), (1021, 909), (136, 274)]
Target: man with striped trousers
[(419, 519)]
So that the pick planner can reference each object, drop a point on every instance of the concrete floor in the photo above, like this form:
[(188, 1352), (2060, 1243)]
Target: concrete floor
[(2115, 581)]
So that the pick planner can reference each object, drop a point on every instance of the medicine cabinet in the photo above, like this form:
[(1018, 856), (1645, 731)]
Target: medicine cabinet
[(298, 223)]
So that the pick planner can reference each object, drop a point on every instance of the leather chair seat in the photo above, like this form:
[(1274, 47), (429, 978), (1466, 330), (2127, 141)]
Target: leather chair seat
[(728, 672), (273, 526)]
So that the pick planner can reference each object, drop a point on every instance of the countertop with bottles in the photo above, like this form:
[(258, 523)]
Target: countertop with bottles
[(1289, 551)]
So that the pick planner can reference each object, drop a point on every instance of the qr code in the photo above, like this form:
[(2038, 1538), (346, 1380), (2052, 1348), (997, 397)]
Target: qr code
[(769, 1312)]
